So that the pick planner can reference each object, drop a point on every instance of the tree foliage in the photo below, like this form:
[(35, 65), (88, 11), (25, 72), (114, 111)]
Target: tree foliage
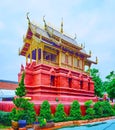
[(24, 110), (98, 107), (110, 83), (90, 113), (21, 91), (103, 109), (45, 111), (97, 82), (75, 111), (88, 103), (59, 115)]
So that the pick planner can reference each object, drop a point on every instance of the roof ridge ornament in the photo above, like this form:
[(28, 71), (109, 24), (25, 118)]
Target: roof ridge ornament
[(50, 33), (45, 25), (90, 53), (28, 17), (84, 45), (61, 26), (96, 60), (75, 37), (81, 45)]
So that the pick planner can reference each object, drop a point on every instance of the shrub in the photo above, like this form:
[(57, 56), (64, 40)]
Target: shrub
[(42, 121), (103, 109), (114, 109), (114, 106), (90, 112), (98, 107), (45, 111), (5, 118), (88, 103), (59, 115), (107, 109), (75, 111)]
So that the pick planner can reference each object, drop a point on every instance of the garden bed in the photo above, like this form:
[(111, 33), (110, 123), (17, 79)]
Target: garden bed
[(79, 122), (53, 126)]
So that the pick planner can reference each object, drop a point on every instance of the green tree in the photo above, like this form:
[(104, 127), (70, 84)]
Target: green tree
[(45, 111), (103, 109), (111, 85), (107, 109), (24, 110), (98, 107), (97, 82), (105, 86), (20, 90), (88, 103), (59, 115), (75, 111), (90, 113)]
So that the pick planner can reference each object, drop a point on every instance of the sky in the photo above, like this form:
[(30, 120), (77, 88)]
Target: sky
[(93, 21)]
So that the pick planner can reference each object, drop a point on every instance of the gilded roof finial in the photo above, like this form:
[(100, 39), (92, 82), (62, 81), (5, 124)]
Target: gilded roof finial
[(52, 32), (28, 17), (81, 45), (19, 51), (96, 60), (75, 36), (90, 53), (61, 26), (44, 22), (84, 45)]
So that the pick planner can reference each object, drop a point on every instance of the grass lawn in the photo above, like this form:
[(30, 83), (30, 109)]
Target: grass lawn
[(3, 127)]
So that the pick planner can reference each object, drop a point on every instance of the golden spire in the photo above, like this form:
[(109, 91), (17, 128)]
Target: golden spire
[(81, 45), (96, 60), (84, 45), (45, 25), (52, 32), (61, 26), (28, 17), (19, 51), (90, 53), (75, 36)]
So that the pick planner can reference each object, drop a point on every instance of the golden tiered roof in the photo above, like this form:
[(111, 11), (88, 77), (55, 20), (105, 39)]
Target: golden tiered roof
[(38, 37)]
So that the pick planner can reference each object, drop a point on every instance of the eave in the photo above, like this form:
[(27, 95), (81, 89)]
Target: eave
[(89, 62), (27, 42)]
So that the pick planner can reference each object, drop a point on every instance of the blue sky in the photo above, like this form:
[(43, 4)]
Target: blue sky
[(93, 21)]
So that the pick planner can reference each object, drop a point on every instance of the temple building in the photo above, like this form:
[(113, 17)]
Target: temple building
[(55, 66)]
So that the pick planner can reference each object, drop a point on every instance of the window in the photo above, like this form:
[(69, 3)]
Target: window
[(78, 63), (53, 57), (52, 80), (39, 54), (69, 60), (66, 59), (70, 82), (88, 85), (49, 56), (81, 84), (75, 62), (63, 58)]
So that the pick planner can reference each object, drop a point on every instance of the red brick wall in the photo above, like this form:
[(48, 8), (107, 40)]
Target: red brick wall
[(8, 85)]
